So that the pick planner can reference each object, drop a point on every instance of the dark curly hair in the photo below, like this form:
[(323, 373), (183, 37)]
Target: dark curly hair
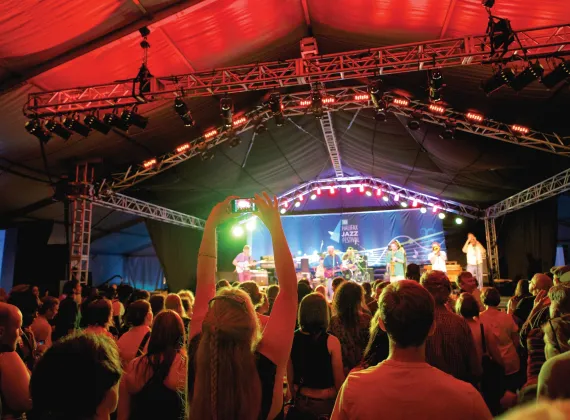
[(347, 304)]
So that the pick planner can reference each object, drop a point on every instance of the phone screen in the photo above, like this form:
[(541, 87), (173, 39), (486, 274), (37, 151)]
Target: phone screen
[(42, 342), (243, 205)]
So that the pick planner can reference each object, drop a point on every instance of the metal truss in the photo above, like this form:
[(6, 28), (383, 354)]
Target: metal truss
[(330, 139), (81, 218), (379, 188), (130, 205), (492, 249), (345, 99), (535, 43), (552, 186)]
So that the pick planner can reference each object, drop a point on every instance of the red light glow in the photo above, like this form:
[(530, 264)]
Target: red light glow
[(361, 189), (434, 210), (318, 191), (183, 147), (210, 134), (301, 198), (149, 163), (361, 97), (305, 103), (329, 100), (401, 102), (332, 190), (379, 192), (397, 197), (438, 109), (239, 121), (415, 203), (474, 117), (520, 129)]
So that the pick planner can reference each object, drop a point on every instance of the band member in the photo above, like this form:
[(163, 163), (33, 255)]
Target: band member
[(396, 261), (475, 253), (437, 258), (331, 264), (349, 256), (242, 263)]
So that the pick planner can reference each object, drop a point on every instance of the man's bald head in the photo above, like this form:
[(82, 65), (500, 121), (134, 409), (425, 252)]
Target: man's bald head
[(540, 282), (10, 324)]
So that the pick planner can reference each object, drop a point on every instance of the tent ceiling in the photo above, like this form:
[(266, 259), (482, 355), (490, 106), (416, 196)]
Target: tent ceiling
[(65, 44)]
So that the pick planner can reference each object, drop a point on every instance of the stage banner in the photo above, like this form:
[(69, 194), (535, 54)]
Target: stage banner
[(367, 232)]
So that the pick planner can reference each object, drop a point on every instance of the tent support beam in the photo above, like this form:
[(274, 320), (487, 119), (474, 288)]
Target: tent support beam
[(332, 145), (492, 248)]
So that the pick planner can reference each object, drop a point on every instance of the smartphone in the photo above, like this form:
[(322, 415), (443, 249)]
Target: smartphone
[(42, 342), (243, 205)]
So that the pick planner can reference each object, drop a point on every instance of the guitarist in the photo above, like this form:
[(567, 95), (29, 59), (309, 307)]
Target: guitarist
[(242, 263)]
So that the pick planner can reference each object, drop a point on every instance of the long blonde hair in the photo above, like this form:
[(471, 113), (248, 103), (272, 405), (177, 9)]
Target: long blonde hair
[(227, 384)]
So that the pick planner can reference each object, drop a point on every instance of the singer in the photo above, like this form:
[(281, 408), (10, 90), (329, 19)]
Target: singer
[(396, 261), (438, 258)]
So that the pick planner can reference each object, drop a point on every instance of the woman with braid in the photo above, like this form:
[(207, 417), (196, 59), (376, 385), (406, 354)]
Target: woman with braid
[(236, 373)]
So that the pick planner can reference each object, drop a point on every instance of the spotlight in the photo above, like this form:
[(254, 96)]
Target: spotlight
[(35, 128), (375, 92), (472, 116), (385, 198), (183, 148), (130, 117), (527, 76), (318, 191), (404, 204), (458, 220), (560, 73), (301, 197), (313, 196), (239, 121), (397, 197), (72, 123), (423, 210), (329, 100), (361, 97), (297, 204), (348, 189), (234, 142), (251, 225), (226, 110), (149, 163), (436, 109), (237, 231), (182, 110), (434, 209), (210, 134), (519, 129), (55, 127), (441, 216), (380, 115), (498, 80), (415, 203), (317, 104), (96, 124), (332, 190), (259, 126), (361, 188), (276, 109), (501, 33), (401, 102), (369, 193), (435, 85), (449, 132), (283, 210), (414, 123), (378, 192), (114, 121)]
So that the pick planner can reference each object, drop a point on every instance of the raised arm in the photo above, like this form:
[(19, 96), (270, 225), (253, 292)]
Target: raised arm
[(206, 271), (466, 246), (278, 334)]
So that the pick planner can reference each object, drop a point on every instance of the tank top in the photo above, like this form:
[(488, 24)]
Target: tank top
[(311, 360)]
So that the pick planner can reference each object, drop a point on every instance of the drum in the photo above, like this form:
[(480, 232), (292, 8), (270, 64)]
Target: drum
[(347, 274)]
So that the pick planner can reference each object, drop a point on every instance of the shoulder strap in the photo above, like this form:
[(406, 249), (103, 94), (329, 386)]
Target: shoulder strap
[(143, 343), (483, 338), (555, 336)]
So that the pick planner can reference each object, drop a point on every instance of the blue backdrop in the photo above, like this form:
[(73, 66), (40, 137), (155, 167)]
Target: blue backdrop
[(367, 232)]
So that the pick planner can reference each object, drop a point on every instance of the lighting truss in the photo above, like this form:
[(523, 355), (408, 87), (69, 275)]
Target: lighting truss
[(330, 139), (552, 186), (355, 182), (541, 42), (130, 205), (344, 101)]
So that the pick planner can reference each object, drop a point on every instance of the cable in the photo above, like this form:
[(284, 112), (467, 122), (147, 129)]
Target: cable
[(372, 148)]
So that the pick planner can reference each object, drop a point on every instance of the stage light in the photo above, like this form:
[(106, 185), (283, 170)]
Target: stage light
[(237, 231), (376, 92), (423, 210), (435, 85), (277, 109), (34, 127), (114, 121), (301, 197), (501, 33), (72, 123), (251, 225), (527, 76), (401, 102), (448, 132), (385, 198), (520, 129), (560, 73), (259, 126), (207, 154), (441, 216), (130, 117), (415, 203), (348, 189), (299, 252), (378, 192), (318, 191), (54, 127), (472, 116), (283, 210), (498, 80), (404, 204), (313, 196), (183, 147), (380, 116), (369, 193), (149, 163), (434, 209), (234, 142), (297, 204), (414, 123), (458, 220), (329, 100), (436, 109), (317, 104), (361, 188), (397, 197), (96, 124), (361, 97), (210, 134), (305, 102), (332, 190), (226, 112), (239, 121), (182, 110)]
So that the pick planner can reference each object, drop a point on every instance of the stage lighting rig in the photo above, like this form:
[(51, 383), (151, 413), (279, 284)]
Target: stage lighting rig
[(317, 104), (435, 85), (72, 123), (113, 120), (96, 124), (449, 131), (227, 109), (415, 121), (141, 83), (234, 142), (35, 128), (54, 127), (527, 76), (559, 74), (182, 110), (276, 109), (130, 117), (206, 153), (501, 34), (501, 78)]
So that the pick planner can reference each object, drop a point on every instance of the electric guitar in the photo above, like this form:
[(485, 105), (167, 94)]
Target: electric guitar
[(244, 266)]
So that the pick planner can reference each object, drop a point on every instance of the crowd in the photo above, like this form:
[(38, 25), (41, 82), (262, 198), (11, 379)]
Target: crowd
[(414, 349)]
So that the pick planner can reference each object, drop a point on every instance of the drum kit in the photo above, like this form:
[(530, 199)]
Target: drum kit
[(356, 270)]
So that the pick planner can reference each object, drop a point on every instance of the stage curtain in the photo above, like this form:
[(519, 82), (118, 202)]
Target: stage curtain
[(527, 240), (177, 250), (144, 272)]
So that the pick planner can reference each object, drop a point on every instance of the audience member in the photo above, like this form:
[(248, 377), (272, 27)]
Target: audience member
[(451, 348), (553, 378), (14, 376), (413, 272), (157, 303), (336, 282), (557, 330), (321, 288), (551, 410), (315, 372), (139, 295), (134, 342), (404, 386), (272, 292), (187, 301), (41, 326), (380, 285), (174, 303), (264, 307), (377, 349), (24, 299), (521, 292), (350, 323), (3, 295), (152, 384), (238, 373), (99, 316), (77, 378), (68, 316), (371, 303), (539, 286), (468, 284), (222, 283), (36, 293), (252, 289)]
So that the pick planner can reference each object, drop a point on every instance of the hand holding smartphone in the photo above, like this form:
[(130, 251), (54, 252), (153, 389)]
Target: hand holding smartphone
[(243, 205)]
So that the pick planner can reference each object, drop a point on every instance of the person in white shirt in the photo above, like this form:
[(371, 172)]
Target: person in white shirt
[(475, 253), (437, 258), (134, 342), (404, 386)]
